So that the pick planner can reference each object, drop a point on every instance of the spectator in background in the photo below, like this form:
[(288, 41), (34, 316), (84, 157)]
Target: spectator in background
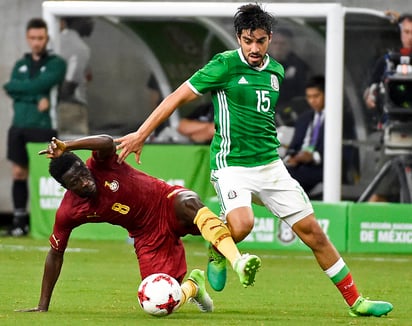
[(304, 158), (72, 108), (32, 79), (388, 188), (296, 73), (199, 126)]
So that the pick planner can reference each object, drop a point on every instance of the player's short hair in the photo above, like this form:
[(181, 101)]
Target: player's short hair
[(317, 81), (36, 23), (252, 17), (60, 165)]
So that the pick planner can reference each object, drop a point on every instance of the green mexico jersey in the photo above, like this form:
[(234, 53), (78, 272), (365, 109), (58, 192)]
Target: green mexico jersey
[(244, 100)]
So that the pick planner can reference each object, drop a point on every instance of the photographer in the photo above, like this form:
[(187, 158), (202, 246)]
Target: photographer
[(379, 71), (388, 189)]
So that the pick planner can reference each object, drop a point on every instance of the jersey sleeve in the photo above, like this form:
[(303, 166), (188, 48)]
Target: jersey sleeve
[(213, 75), (61, 230)]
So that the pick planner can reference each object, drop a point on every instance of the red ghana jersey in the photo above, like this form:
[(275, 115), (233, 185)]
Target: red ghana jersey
[(126, 197)]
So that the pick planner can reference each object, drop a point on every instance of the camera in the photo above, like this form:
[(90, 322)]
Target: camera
[(397, 104)]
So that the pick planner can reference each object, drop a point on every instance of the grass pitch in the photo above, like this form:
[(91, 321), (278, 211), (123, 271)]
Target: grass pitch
[(99, 280)]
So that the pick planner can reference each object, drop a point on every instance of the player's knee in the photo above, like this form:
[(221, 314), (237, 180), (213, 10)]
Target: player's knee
[(191, 200), (240, 230), (320, 240), (187, 204), (240, 222), (313, 235)]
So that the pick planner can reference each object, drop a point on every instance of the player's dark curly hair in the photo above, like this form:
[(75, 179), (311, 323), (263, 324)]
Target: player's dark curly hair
[(252, 17), (60, 165)]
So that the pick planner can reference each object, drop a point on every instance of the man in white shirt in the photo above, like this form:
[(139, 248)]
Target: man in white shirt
[(72, 109)]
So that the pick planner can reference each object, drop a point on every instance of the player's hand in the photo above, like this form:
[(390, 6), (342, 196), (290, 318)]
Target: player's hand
[(35, 309), (131, 143), (55, 148)]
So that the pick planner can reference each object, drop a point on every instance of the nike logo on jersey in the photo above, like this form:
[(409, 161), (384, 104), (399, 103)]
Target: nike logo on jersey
[(242, 81)]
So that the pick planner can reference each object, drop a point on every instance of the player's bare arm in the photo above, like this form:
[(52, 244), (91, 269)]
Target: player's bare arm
[(103, 144), (52, 268), (133, 142)]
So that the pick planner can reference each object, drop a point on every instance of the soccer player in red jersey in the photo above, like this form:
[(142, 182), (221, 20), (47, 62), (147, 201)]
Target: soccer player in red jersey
[(154, 213)]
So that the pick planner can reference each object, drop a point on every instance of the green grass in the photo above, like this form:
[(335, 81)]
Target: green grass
[(98, 286)]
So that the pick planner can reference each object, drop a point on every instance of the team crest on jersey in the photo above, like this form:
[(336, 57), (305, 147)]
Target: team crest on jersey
[(231, 194), (274, 82), (113, 186)]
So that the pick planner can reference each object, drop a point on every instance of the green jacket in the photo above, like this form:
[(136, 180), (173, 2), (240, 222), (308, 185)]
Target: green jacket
[(29, 84)]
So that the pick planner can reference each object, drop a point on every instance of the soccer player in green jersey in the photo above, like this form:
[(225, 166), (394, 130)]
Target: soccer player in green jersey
[(245, 164)]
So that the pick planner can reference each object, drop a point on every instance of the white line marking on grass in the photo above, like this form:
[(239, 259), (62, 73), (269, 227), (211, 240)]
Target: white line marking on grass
[(39, 248)]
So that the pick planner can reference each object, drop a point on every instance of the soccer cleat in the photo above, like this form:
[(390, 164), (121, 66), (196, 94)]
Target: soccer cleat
[(18, 231), (246, 267), (365, 307), (202, 298), (216, 269)]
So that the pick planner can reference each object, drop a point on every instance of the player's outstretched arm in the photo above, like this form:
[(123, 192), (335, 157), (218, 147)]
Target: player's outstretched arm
[(133, 142), (103, 144), (52, 268)]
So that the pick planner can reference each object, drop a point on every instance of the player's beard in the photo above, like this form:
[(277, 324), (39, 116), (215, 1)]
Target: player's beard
[(255, 59)]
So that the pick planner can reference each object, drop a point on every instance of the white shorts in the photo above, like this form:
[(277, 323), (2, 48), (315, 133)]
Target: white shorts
[(270, 185)]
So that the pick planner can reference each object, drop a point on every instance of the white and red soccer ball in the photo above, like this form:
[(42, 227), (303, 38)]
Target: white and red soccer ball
[(159, 294)]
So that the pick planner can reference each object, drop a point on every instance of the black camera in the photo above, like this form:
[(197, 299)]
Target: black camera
[(397, 104)]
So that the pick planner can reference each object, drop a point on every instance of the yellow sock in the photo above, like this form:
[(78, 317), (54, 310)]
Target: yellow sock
[(189, 290), (217, 233)]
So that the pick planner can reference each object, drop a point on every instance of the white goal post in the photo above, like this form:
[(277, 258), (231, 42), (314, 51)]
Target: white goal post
[(334, 14)]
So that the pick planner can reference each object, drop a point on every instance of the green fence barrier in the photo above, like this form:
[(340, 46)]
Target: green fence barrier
[(383, 228)]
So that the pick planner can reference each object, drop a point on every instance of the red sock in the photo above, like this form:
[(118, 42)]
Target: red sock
[(348, 289)]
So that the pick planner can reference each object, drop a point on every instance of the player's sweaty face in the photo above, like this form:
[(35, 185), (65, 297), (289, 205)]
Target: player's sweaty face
[(79, 180), (254, 45)]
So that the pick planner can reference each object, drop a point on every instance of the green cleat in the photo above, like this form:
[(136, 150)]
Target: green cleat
[(246, 267), (365, 307), (202, 298), (216, 269)]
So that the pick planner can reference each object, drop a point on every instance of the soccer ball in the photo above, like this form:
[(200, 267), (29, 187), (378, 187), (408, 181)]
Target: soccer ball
[(159, 294)]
